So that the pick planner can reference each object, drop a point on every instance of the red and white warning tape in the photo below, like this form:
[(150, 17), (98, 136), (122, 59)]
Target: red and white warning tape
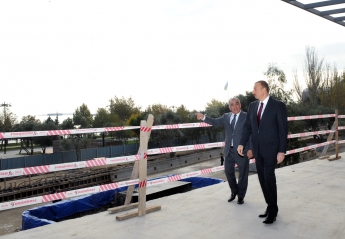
[(24, 134), (11, 135), (110, 186), (101, 161), (145, 129), (131, 158), (308, 147), (341, 142), (309, 133), (90, 190), (311, 117), (314, 133)]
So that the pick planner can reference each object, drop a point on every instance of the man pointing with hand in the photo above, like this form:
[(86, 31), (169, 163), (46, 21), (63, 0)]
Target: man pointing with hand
[(233, 124)]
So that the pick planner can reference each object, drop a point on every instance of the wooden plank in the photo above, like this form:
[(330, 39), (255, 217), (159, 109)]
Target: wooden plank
[(336, 138), (135, 214), (135, 172), (334, 158), (142, 171), (330, 137), (336, 135), (324, 157), (144, 140), (122, 208), (130, 189)]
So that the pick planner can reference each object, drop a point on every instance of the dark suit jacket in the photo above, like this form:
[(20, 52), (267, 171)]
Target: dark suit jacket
[(271, 136), (229, 134)]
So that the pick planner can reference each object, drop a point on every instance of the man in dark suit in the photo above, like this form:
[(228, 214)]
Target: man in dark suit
[(233, 123), (266, 124)]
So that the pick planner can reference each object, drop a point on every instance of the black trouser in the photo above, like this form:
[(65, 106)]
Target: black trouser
[(266, 172), (239, 188)]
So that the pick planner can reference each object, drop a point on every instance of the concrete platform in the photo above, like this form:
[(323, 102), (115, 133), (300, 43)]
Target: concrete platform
[(310, 197)]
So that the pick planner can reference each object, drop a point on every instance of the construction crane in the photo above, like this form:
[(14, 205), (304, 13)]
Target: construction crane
[(56, 114)]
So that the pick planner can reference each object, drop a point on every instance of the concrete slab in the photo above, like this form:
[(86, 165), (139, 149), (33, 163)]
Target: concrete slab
[(310, 198)]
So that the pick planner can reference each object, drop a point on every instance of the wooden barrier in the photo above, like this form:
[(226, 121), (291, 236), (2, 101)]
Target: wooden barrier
[(336, 138), (139, 169), (330, 137)]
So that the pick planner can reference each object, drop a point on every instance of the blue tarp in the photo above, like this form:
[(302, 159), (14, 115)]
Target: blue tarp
[(50, 213)]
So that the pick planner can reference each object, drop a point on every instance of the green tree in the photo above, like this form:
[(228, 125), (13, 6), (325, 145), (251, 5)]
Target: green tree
[(183, 113), (83, 117), (166, 136), (7, 120), (56, 121), (123, 108), (214, 109), (26, 124), (297, 88), (77, 143), (215, 105), (157, 109), (276, 80), (246, 100), (333, 93), (45, 141), (313, 71), (67, 124), (193, 134), (102, 118), (135, 120), (49, 119)]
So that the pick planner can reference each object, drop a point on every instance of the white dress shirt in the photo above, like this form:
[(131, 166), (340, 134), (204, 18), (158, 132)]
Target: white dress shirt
[(264, 106), (231, 117)]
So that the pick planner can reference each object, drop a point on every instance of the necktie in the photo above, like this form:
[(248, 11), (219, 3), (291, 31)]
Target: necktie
[(233, 122), (259, 113)]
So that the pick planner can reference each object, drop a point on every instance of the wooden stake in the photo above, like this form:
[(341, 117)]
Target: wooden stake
[(144, 139), (122, 208), (324, 157), (135, 172), (135, 214), (145, 132), (330, 137), (336, 138), (130, 189)]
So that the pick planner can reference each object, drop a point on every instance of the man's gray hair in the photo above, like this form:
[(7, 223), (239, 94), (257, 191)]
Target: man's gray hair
[(234, 98)]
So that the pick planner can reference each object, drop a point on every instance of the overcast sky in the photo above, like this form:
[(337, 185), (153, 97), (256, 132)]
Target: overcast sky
[(57, 54)]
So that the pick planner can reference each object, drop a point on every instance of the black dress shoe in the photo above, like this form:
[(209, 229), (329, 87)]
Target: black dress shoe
[(232, 197), (269, 220), (264, 214), (240, 201)]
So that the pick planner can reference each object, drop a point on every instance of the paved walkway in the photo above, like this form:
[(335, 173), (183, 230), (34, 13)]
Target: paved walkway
[(310, 197)]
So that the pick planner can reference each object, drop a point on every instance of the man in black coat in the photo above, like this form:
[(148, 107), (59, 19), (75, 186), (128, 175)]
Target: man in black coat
[(266, 124)]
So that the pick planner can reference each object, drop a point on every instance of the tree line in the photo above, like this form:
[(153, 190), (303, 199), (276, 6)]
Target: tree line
[(324, 92)]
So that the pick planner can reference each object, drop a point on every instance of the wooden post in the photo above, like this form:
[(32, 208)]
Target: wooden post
[(145, 131), (135, 214), (336, 138), (330, 137), (130, 189), (336, 135), (135, 172), (143, 163)]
